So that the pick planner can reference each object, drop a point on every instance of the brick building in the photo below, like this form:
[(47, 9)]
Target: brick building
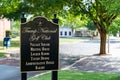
[(4, 25)]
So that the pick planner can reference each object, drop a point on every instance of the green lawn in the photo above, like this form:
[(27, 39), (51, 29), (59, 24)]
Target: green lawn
[(14, 44), (62, 40), (75, 75), (2, 54)]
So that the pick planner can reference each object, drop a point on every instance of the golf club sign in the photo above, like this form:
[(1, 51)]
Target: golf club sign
[(39, 45)]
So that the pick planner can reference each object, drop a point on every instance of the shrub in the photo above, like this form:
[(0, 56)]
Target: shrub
[(8, 33)]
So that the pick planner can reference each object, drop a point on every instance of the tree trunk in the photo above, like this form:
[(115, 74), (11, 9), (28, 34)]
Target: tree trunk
[(102, 43)]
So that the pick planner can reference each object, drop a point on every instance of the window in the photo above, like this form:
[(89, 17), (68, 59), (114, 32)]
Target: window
[(65, 33), (69, 33), (61, 33)]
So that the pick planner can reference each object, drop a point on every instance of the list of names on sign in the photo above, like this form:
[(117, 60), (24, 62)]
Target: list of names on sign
[(39, 45)]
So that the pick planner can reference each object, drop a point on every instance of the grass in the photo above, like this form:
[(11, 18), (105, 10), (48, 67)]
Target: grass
[(75, 75), (69, 40), (14, 44), (2, 54)]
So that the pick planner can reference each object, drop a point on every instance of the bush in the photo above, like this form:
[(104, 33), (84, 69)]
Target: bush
[(15, 34), (8, 33)]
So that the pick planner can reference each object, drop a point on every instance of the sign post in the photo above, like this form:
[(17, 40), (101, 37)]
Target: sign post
[(23, 75), (55, 73), (39, 45)]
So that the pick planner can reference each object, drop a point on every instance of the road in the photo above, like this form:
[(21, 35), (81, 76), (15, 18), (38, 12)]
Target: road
[(9, 72), (88, 48), (71, 49)]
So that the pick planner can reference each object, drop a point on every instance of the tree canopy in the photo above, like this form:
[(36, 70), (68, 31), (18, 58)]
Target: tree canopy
[(101, 12), (12, 9), (91, 26)]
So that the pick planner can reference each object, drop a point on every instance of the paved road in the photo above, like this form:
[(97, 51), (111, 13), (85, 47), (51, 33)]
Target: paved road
[(71, 49), (13, 73), (88, 48), (6, 71), (88, 62)]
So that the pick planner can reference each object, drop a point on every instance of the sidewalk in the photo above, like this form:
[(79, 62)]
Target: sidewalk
[(90, 63), (107, 64)]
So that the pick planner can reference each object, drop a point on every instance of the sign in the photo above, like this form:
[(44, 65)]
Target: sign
[(39, 45)]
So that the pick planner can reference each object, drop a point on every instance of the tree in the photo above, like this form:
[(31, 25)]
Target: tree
[(91, 26), (101, 12), (8, 9), (12, 9), (115, 27), (74, 22)]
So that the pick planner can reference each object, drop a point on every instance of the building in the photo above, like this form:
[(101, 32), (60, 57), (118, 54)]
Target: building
[(4, 25), (83, 32), (65, 32), (80, 32)]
